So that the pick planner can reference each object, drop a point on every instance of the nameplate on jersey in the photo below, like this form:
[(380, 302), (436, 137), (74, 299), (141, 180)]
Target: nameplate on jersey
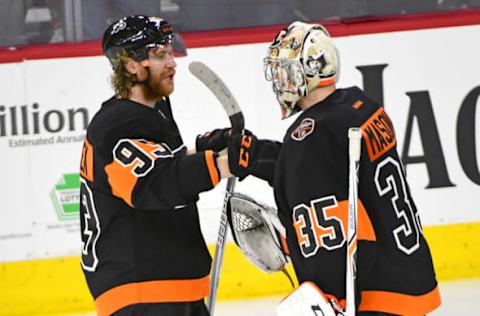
[(304, 129), (378, 134)]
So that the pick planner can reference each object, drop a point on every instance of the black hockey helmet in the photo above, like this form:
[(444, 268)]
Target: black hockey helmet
[(136, 34)]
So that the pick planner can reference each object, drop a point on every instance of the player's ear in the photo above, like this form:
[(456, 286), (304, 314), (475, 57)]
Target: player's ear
[(131, 66)]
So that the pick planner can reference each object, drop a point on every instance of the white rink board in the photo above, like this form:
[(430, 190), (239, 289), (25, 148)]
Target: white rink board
[(443, 62)]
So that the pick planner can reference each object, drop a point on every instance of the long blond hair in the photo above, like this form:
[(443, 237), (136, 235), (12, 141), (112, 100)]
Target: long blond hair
[(122, 81)]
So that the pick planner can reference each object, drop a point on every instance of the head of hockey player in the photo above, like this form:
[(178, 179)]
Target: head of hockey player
[(141, 51), (300, 60)]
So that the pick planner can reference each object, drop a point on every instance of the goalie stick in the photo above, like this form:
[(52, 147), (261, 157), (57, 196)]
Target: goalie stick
[(210, 79), (354, 149)]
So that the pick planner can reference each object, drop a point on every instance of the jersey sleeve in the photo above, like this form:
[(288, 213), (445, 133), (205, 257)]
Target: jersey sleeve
[(149, 175), (266, 161)]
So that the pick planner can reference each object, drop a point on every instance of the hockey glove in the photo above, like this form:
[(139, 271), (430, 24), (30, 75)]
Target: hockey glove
[(241, 153), (215, 140), (256, 230)]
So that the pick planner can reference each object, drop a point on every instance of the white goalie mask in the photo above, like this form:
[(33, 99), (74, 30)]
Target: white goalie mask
[(300, 59)]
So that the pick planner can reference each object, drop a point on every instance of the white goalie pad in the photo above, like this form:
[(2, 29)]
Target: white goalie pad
[(307, 300), (254, 232)]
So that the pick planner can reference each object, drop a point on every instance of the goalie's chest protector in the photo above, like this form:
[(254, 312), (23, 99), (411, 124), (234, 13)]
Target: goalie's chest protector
[(311, 191)]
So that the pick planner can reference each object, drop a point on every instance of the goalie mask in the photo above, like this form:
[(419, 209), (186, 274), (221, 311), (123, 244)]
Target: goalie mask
[(300, 59)]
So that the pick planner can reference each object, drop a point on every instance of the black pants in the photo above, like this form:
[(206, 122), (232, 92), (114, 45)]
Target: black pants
[(197, 308)]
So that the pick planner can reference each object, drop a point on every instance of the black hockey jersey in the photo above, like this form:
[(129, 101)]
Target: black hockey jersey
[(141, 237), (395, 272)]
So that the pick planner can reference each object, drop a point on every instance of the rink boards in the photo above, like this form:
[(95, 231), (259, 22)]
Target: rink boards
[(428, 80), (57, 285)]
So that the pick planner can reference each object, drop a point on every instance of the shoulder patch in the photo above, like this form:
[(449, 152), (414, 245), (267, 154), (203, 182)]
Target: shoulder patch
[(304, 129), (357, 105)]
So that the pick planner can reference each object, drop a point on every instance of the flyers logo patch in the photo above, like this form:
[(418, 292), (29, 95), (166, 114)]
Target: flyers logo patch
[(304, 129)]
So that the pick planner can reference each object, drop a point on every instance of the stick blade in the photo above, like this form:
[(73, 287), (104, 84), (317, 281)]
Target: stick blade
[(213, 82)]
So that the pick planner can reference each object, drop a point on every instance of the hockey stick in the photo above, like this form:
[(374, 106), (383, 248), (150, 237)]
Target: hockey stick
[(354, 149), (230, 105)]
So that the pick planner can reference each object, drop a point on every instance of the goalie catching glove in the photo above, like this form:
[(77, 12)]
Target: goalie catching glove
[(256, 230)]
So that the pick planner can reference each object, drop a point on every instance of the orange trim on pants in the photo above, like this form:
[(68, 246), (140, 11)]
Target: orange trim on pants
[(400, 304), (162, 291)]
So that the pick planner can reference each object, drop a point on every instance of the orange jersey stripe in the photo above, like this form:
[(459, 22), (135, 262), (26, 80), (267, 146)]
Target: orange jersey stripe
[(86, 166), (163, 291), (212, 170), (122, 177), (400, 304), (365, 229), (122, 181)]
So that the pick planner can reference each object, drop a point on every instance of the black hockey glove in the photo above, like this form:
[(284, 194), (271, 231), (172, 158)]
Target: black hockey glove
[(215, 140), (241, 153)]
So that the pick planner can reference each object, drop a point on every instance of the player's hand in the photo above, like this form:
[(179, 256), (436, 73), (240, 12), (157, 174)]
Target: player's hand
[(241, 153), (215, 140)]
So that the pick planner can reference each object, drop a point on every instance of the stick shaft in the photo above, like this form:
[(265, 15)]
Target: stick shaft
[(354, 147), (220, 248), (213, 82)]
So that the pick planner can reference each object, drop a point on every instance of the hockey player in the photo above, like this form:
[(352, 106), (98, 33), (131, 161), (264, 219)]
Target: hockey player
[(142, 249), (309, 174)]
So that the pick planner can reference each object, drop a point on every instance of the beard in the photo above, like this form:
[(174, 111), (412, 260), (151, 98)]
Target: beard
[(154, 89)]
